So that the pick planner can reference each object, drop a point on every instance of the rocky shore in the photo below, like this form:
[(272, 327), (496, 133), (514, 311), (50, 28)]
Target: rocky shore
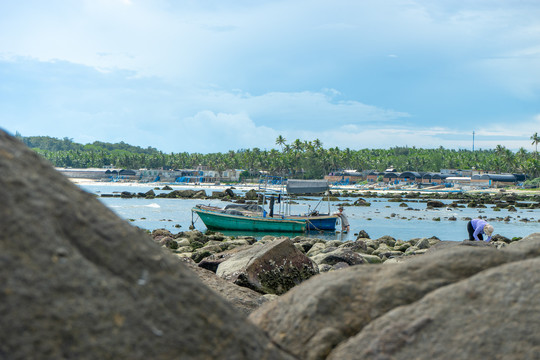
[(274, 265), (499, 200), (77, 282)]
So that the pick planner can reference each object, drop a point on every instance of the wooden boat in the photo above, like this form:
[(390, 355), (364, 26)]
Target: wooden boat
[(256, 218)]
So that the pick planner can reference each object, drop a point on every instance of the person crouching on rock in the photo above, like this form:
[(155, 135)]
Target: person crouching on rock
[(477, 227)]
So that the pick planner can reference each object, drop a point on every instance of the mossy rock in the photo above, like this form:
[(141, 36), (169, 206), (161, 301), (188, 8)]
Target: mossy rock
[(199, 255), (371, 259), (196, 245)]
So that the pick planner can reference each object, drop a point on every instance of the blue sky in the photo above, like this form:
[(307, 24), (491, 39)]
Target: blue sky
[(209, 76)]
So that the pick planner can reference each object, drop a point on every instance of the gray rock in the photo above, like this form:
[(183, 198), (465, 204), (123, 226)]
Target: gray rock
[(340, 265), (435, 204), (362, 235), (340, 255), (359, 245), (422, 244), (251, 195), (78, 282), (492, 315), (317, 248), (325, 268), (388, 240), (371, 259), (272, 268), (316, 308), (243, 299), (212, 262)]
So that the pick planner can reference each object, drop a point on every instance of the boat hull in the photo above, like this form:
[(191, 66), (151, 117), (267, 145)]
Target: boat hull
[(325, 223), (219, 221)]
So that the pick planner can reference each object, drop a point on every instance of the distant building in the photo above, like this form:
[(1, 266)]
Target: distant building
[(344, 177), (410, 177), (493, 180)]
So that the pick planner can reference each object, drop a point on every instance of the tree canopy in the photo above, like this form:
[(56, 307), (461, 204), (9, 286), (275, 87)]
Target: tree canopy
[(299, 159)]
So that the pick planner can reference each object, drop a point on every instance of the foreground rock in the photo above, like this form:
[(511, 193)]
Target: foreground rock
[(329, 315), (491, 315), (242, 298), (77, 282)]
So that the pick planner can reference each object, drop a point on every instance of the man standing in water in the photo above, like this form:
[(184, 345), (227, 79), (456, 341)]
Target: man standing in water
[(345, 227), (477, 227)]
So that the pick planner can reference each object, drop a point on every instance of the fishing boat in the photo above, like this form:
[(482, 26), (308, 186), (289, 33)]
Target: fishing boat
[(278, 218), (236, 219)]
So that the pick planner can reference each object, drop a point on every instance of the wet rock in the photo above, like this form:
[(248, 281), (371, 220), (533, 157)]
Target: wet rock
[(362, 235), (251, 195), (435, 204), (498, 237), (150, 194), (361, 202)]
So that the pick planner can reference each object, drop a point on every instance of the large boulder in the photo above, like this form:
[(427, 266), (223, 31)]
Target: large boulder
[(271, 268), (78, 282), (311, 320), (492, 315)]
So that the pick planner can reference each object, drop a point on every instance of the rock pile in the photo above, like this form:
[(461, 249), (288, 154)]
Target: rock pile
[(256, 264)]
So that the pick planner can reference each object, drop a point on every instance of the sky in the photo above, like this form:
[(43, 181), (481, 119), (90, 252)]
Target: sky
[(212, 76)]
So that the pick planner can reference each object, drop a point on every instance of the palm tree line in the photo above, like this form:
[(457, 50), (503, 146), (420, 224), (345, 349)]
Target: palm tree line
[(296, 159)]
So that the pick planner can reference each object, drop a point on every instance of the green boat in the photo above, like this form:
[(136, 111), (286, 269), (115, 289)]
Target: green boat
[(235, 219), (252, 217)]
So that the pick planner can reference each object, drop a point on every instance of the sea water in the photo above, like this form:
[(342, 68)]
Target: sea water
[(379, 219)]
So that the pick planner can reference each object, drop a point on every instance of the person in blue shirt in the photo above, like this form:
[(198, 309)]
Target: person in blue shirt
[(477, 227)]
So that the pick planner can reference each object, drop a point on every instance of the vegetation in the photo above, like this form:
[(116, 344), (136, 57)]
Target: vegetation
[(301, 159), (533, 183)]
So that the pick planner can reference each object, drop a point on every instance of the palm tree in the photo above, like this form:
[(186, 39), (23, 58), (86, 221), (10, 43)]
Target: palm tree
[(298, 145), (280, 140), (536, 139)]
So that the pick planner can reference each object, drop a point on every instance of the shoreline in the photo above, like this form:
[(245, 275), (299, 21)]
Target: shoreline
[(349, 188)]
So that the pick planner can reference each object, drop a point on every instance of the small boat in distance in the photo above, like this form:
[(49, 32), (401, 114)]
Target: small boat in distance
[(253, 217)]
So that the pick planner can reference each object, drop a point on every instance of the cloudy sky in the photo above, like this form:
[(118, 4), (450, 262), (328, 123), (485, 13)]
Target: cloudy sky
[(213, 75)]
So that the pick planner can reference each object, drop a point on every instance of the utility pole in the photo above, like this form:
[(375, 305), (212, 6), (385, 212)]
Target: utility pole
[(473, 141)]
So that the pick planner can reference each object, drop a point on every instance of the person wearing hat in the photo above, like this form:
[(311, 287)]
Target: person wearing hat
[(477, 227)]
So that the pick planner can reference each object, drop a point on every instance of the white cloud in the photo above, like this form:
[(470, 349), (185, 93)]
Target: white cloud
[(209, 132), (297, 109)]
